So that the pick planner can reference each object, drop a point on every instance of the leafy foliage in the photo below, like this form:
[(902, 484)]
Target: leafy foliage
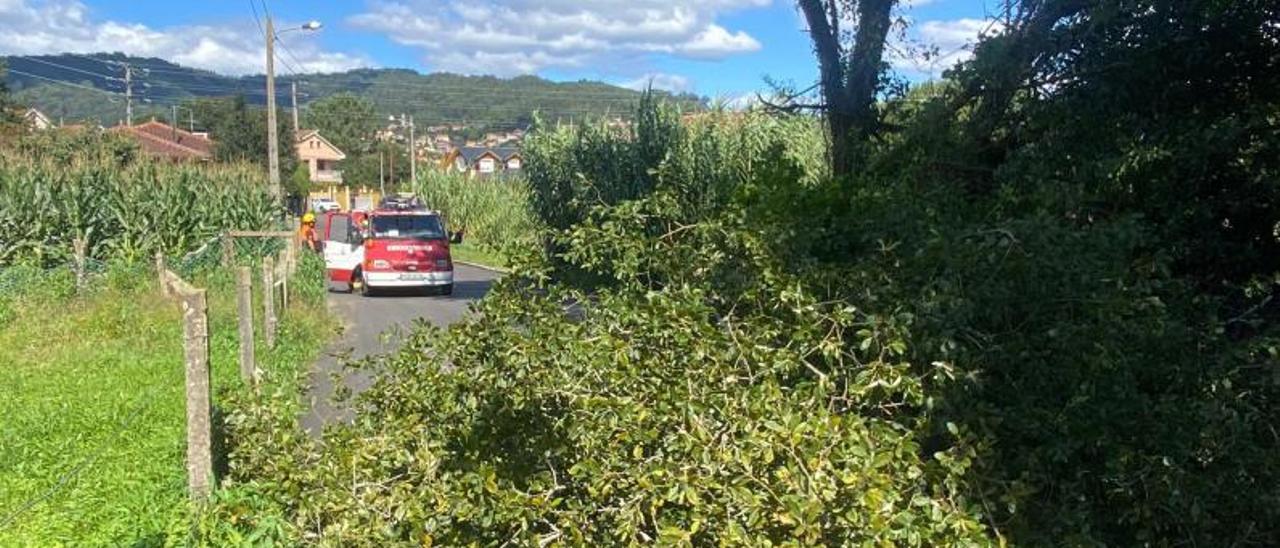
[(1041, 312), (346, 120), (241, 132)]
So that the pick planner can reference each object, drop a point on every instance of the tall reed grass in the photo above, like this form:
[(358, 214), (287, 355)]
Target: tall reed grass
[(493, 212)]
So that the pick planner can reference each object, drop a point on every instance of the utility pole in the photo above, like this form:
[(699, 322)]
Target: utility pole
[(382, 178), (413, 155), (293, 93), (173, 122), (273, 137), (128, 95)]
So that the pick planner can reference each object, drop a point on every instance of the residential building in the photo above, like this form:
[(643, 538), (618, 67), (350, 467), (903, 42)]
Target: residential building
[(36, 120), (484, 161), (320, 156), (164, 141)]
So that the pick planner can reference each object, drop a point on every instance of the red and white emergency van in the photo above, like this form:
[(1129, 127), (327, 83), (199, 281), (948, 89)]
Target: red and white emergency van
[(400, 246)]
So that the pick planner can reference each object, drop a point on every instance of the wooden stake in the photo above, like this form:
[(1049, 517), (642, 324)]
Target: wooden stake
[(244, 302)]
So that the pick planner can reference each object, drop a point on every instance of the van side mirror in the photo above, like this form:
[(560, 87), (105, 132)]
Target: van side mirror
[(455, 237)]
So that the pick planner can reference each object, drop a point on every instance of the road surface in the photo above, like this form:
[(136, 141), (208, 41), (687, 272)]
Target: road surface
[(365, 320)]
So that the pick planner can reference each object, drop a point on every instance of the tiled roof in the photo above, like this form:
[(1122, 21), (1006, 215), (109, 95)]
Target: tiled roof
[(158, 139), (471, 154), (178, 136)]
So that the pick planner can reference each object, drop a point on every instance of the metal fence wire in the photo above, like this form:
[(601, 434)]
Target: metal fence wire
[(61, 279)]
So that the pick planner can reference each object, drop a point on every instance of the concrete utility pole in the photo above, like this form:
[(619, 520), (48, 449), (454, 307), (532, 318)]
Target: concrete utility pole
[(382, 177), (273, 137), (128, 95), (413, 155), (293, 93)]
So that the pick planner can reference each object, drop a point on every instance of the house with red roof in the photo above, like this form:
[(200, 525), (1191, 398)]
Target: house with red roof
[(161, 140)]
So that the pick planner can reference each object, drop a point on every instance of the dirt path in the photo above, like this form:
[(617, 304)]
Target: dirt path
[(366, 319)]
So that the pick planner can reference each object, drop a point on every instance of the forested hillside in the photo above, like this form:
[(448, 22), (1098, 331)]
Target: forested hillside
[(78, 87)]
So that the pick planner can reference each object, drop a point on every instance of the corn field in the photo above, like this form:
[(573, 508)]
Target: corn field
[(123, 210), (492, 212)]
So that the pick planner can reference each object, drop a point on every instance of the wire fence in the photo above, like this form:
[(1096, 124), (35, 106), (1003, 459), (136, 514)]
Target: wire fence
[(219, 254)]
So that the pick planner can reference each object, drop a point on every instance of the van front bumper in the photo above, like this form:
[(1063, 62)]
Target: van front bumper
[(408, 279)]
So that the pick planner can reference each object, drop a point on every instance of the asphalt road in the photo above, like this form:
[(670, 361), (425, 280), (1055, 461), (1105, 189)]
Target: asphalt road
[(376, 325)]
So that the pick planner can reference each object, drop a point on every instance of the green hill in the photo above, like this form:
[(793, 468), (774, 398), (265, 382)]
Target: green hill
[(91, 87)]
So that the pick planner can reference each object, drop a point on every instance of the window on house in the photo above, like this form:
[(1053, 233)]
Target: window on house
[(513, 163), (486, 165)]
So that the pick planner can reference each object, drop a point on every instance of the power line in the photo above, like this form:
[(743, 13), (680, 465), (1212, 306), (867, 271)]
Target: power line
[(65, 67), (63, 82)]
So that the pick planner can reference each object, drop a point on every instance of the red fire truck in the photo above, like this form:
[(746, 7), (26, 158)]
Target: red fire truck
[(398, 245)]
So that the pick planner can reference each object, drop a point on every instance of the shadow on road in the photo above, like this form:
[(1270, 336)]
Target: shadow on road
[(463, 290)]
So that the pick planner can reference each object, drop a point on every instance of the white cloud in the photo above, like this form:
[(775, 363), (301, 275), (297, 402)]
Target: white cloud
[(30, 27), (950, 42), (669, 82), (508, 37)]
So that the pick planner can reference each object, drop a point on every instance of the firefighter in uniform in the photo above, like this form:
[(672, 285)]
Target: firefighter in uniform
[(307, 232)]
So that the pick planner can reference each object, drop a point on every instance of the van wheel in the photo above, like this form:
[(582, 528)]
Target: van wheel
[(358, 285)]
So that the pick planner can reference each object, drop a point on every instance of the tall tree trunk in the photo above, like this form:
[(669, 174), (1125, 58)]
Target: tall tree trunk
[(848, 82)]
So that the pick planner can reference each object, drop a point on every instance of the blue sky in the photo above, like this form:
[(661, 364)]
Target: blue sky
[(718, 48)]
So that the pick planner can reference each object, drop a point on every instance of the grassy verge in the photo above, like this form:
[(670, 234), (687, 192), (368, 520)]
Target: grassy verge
[(475, 254), (93, 411)]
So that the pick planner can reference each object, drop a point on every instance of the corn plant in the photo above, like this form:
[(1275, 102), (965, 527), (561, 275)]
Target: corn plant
[(123, 209), (492, 212)]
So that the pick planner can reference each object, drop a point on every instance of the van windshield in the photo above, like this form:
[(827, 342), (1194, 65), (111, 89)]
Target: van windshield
[(409, 227)]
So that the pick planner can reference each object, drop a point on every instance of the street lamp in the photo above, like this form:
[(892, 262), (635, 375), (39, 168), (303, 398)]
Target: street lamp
[(273, 137)]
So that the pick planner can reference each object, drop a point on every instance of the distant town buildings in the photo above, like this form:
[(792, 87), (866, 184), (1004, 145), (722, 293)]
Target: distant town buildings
[(484, 161)]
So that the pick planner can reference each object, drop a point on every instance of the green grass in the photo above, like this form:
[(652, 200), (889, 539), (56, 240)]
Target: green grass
[(73, 370), (472, 253)]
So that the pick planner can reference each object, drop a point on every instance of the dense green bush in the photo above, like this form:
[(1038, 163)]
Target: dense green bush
[(1042, 314), (92, 187)]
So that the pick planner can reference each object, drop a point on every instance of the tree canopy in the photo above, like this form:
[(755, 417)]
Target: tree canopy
[(346, 120)]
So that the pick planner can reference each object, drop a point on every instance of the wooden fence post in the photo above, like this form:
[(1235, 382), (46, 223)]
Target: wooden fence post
[(78, 246), (244, 302), (160, 270), (228, 250), (268, 301), (195, 329)]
